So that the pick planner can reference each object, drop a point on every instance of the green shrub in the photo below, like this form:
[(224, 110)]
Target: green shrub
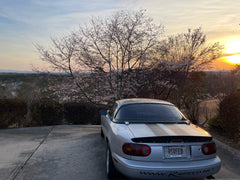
[(229, 115), (46, 112), (216, 122), (82, 113), (12, 112)]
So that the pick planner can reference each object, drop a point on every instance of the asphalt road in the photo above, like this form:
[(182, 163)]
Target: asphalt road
[(71, 152)]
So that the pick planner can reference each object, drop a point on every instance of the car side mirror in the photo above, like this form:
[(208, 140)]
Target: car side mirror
[(104, 112), (109, 114)]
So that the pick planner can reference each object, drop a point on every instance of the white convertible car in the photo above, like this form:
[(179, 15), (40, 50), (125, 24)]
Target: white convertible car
[(151, 139)]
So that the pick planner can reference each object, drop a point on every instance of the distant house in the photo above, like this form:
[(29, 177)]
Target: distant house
[(9, 89)]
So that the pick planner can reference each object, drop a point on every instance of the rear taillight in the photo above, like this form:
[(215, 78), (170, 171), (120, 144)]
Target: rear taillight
[(209, 148), (136, 149)]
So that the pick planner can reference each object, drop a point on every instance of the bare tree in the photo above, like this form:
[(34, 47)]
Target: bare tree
[(187, 52), (183, 54), (104, 58)]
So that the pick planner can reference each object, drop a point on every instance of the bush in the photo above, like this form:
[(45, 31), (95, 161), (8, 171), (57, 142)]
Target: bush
[(82, 113), (46, 112), (216, 122), (229, 115), (12, 112)]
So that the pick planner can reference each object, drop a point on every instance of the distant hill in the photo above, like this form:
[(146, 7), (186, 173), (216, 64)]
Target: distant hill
[(16, 71)]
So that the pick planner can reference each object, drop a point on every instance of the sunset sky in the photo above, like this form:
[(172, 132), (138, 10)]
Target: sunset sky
[(24, 23)]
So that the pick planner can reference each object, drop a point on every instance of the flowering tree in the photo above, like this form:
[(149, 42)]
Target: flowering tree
[(122, 56), (105, 57)]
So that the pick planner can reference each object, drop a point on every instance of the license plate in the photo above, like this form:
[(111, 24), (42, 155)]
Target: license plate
[(175, 152)]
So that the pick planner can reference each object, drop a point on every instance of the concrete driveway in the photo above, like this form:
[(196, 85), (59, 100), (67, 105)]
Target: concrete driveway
[(69, 152)]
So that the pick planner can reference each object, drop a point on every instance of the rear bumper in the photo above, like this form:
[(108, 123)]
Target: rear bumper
[(167, 170)]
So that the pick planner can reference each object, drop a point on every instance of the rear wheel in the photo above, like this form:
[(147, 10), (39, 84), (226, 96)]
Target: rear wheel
[(210, 177), (102, 133), (110, 168)]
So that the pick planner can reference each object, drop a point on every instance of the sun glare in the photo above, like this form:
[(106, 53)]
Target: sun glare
[(235, 59), (233, 49)]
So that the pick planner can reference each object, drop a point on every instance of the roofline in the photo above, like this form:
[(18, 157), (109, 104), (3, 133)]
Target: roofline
[(141, 100)]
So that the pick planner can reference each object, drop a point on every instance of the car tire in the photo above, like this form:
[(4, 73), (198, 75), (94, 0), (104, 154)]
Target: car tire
[(210, 177), (102, 135), (110, 168)]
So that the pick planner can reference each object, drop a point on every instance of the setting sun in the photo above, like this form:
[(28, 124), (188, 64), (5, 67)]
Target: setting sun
[(233, 52), (235, 59)]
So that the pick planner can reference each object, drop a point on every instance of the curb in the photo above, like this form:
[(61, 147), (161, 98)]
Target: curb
[(230, 156)]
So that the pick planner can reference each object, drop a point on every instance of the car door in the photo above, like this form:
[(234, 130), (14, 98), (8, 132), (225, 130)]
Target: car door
[(107, 120)]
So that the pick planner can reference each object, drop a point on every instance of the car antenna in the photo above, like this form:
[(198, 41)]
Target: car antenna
[(126, 123)]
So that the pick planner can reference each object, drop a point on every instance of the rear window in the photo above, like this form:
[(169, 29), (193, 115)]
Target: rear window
[(149, 113)]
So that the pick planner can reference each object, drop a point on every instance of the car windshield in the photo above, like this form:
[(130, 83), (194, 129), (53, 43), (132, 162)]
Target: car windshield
[(148, 113)]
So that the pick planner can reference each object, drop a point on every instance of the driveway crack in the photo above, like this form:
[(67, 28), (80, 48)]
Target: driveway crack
[(19, 169)]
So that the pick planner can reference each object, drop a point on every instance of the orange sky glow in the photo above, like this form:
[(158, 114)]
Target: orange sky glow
[(222, 64), (231, 54)]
